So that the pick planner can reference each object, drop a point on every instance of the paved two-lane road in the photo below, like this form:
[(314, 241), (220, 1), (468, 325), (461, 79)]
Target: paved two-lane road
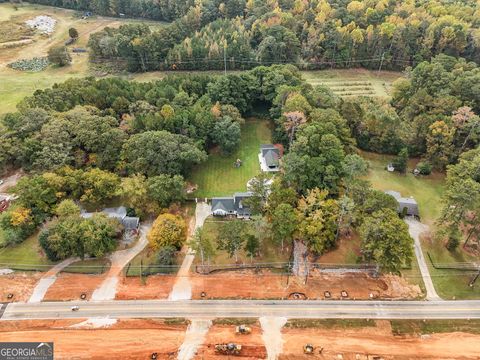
[(248, 308)]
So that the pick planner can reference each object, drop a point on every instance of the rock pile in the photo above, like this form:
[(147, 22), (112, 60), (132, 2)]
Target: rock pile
[(35, 64), (45, 24)]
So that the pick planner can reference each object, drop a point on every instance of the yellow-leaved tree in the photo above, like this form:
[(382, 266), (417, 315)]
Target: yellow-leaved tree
[(167, 230)]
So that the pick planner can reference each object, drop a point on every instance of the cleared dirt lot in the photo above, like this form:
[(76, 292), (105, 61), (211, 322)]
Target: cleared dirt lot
[(247, 285), (232, 285), (138, 339), (128, 339), (154, 287), (21, 285), (252, 344), (359, 343), (71, 286)]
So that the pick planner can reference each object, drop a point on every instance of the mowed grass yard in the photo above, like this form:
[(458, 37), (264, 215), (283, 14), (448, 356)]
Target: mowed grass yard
[(428, 193), (451, 284), (427, 190), (218, 176), (269, 252), (26, 255)]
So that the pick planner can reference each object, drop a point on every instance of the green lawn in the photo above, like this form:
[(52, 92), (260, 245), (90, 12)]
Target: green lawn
[(451, 283), (269, 253), (329, 323), (218, 177), (88, 266), (427, 190), (147, 263), (417, 327), (26, 255)]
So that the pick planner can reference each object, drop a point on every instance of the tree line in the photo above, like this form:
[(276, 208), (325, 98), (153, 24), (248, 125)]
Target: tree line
[(313, 34)]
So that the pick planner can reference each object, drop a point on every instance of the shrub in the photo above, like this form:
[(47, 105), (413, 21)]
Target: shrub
[(59, 55), (424, 168)]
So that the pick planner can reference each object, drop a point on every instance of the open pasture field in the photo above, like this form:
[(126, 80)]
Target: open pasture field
[(15, 85), (354, 82)]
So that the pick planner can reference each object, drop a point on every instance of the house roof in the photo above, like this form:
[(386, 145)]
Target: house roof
[(403, 202), (130, 222), (118, 213), (271, 155), (232, 204), (395, 194), (226, 204)]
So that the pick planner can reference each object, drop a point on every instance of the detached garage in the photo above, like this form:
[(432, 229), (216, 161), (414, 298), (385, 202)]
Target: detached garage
[(406, 206)]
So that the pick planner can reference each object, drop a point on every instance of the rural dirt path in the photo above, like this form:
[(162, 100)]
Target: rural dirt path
[(272, 335), (416, 228), (48, 280), (10, 181), (194, 337), (299, 259), (182, 290), (120, 259)]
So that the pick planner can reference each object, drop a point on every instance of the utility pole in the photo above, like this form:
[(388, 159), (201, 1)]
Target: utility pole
[(381, 63), (225, 56)]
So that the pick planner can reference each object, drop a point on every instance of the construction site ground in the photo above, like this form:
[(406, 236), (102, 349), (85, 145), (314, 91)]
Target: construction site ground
[(126, 339), (138, 339), (19, 284), (147, 288), (227, 285), (71, 286), (266, 285)]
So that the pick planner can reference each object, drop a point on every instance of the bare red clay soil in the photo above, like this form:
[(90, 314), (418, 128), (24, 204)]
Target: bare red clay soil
[(240, 285), (138, 339), (71, 286), (252, 344), (247, 285), (128, 339), (359, 344), (21, 285), (155, 287)]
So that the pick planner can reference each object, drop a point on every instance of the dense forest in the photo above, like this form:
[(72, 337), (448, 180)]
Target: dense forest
[(308, 33)]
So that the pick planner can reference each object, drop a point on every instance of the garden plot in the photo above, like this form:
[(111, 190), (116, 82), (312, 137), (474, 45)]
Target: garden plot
[(354, 82)]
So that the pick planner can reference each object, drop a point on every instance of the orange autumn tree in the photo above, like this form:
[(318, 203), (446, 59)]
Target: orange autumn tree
[(167, 230)]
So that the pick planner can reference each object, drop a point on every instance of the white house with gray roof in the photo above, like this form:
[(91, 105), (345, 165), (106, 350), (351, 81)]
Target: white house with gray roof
[(234, 205)]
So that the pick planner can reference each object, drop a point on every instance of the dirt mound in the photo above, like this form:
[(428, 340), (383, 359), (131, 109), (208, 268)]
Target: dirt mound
[(21, 285)]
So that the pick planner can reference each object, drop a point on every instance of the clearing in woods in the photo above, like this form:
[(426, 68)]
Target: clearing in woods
[(354, 82), (17, 84), (218, 176)]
